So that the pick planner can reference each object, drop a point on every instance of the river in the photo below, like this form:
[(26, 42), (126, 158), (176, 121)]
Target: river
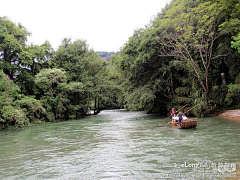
[(118, 144)]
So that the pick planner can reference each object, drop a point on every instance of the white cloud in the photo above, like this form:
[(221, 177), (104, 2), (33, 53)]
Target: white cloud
[(105, 24)]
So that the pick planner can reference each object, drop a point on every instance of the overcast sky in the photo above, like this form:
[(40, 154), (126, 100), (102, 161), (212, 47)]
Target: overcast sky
[(106, 25)]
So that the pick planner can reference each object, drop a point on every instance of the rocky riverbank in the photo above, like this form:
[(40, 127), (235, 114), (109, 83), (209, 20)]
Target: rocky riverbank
[(231, 114)]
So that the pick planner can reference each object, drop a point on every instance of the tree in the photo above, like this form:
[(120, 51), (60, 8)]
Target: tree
[(178, 58), (86, 67), (10, 114), (41, 56), (58, 93), (19, 61), (13, 51), (48, 81), (145, 76), (190, 34)]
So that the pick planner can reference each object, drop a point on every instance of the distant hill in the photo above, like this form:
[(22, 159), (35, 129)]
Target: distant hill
[(105, 55)]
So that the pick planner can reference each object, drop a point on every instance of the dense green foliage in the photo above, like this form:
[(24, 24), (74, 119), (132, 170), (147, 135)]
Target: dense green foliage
[(179, 58), (188, 54), (39, 85), (17, 109)]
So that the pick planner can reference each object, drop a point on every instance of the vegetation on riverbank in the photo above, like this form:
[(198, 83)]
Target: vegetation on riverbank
[(38, 84), (188, 54)]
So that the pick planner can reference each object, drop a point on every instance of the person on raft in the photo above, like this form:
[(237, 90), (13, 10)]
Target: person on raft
[(173, 111), (175, 119), (180, 116)]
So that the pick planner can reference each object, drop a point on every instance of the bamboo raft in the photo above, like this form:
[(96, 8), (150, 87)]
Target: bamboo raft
[(186, 124)]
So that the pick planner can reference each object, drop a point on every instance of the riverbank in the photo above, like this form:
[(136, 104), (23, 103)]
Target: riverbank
[(231, 115)]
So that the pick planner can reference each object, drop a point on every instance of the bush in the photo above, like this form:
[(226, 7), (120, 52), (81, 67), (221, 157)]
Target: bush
[(13, 115), (33, 108), (233, 95)]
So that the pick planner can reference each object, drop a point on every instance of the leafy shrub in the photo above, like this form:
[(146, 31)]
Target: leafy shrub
[(233, 95), (13, 115), (32, 107)]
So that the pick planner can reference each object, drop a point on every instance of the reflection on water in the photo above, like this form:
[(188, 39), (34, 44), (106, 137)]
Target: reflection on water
[(119, 144)]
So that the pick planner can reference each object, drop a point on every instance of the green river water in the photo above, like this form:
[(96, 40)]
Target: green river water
[(118, 144)]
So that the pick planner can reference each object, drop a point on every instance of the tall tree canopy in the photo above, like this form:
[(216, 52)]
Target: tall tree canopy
[(19, 61), (12, 47), (179, 58)]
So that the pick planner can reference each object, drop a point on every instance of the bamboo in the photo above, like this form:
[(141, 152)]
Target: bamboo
[(191, 108), (175, 112)]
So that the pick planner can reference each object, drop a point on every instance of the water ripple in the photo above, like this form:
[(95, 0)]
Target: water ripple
[(115, 144)]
